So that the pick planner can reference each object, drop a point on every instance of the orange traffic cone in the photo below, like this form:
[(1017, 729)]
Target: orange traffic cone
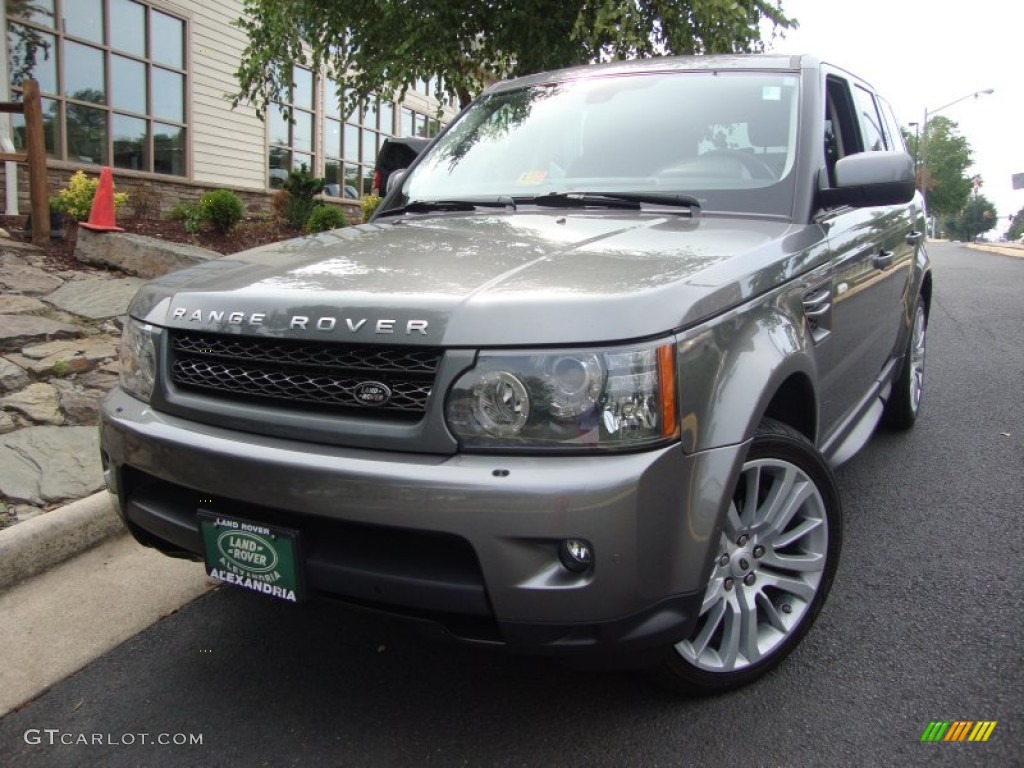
[(101, 217)]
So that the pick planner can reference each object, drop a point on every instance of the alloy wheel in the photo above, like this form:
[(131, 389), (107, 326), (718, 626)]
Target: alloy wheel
[(771, 562)]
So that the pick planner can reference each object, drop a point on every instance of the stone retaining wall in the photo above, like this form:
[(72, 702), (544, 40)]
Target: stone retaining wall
[(164, 192)]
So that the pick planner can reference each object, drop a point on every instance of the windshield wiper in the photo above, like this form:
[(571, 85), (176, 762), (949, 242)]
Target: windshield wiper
[(635, 201), (433, 206)]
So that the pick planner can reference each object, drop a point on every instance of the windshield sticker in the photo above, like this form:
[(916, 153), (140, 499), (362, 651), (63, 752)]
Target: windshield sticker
[(531, 178), (771, 93)]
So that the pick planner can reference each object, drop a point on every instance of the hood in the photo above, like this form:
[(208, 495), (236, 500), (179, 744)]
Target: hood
[(488, 279)]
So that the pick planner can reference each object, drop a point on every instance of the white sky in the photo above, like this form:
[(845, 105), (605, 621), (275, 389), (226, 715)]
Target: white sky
[(924, 54)]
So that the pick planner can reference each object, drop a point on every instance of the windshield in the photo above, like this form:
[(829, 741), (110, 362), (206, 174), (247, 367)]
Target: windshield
[(726, 138)]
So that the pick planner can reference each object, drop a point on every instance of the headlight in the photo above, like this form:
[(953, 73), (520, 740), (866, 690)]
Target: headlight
[(603, 399), (138, 359)]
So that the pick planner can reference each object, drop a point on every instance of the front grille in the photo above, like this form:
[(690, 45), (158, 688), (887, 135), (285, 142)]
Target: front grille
[(304, 373)]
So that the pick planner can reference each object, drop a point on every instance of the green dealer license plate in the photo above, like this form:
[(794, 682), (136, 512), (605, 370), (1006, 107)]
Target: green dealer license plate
[(252, 555)]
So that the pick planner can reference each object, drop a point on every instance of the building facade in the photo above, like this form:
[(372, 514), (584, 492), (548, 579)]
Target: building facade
[(142, 86)]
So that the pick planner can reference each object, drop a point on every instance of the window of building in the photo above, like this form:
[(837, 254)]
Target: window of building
[(113, 77), (332, 141), (418, 124), (365, 130), (291, 130)]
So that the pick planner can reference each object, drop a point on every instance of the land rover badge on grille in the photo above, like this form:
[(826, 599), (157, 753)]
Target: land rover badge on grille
[(372, 393)]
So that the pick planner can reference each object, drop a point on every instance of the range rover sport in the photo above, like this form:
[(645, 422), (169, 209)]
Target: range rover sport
[(577, 388)]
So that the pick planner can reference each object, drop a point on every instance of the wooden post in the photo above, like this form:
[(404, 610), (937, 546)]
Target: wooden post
[(38, 188)]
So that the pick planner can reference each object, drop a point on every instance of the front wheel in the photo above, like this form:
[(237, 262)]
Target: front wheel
[(774, 564)]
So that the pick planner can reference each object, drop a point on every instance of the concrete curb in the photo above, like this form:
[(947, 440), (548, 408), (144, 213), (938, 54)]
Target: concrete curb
[(1003, 250), (36, 545)]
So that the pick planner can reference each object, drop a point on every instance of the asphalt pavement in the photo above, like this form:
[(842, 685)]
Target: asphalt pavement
[(924, 623)]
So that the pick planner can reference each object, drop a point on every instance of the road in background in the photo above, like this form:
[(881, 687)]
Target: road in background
[(924, 623)]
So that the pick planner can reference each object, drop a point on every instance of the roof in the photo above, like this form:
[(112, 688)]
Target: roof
[(739, 61)]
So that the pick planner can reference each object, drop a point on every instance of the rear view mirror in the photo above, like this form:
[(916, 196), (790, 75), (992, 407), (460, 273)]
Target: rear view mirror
[(872, 178), (395, 180)]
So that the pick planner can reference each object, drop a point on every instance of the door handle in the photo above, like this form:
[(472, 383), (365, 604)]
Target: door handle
[(914, 237), (884, 259)]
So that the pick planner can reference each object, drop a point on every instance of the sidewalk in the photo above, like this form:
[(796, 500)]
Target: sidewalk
[(1005, 249), (59, 621), (73, 584)]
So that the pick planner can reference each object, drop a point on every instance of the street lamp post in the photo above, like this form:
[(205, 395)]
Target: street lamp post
[(924, 149), (917, 142)]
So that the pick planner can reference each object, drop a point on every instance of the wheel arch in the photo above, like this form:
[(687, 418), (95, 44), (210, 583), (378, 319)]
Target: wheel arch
[(926, 292), (795, 404), (735, 374)]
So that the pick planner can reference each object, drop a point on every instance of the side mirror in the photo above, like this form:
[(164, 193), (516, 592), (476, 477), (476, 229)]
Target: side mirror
[(395, 180), (872, 178)]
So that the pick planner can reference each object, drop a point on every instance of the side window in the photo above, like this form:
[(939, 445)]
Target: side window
[(870, 122), (841, 135), (893, 137)]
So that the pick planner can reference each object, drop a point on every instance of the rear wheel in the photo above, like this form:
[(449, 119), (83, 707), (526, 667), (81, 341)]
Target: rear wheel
[(773, 567), (905, 402)]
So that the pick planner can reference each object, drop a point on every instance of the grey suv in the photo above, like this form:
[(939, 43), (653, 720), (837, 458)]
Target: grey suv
[(578, 387)]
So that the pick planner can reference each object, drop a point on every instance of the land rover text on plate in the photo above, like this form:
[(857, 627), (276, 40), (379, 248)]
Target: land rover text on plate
[(578, 387)]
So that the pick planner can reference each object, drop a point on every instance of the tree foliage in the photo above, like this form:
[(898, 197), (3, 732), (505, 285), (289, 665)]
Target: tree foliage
[(1016, 230), (945, 156), (25, 44), (386, 45), (978, 216)]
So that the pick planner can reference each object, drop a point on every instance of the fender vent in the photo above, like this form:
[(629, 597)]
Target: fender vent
[(817, 304)]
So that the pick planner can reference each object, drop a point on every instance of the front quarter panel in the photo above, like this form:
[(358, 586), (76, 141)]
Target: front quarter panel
[(731, 368)]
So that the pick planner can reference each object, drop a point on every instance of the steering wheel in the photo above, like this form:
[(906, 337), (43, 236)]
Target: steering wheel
[(724, 162)]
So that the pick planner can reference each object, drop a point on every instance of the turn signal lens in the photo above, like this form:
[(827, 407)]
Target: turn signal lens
[(138, 359)]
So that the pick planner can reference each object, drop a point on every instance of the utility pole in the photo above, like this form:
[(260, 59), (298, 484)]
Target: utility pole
[(924, 149), (917, 144)]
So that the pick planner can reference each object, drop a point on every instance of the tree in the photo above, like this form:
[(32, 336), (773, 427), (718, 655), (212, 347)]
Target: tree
[(912, 140), (387, 45), (945, 158), (1016, 230), (25, 43), (979, 215)]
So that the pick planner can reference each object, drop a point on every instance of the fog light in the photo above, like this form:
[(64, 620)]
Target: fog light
[(576, 554)]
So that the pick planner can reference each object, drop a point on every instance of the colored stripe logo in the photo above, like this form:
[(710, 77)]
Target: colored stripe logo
[(958, 730)]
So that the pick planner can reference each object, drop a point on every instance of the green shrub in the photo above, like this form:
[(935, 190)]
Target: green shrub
[(180, 211), (188, 214), (324, 217), (302, 188), (76, 198), (369, 204), (221, 209)]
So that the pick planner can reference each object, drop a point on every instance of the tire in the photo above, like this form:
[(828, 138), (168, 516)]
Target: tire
[(773, 567), (905, 402)]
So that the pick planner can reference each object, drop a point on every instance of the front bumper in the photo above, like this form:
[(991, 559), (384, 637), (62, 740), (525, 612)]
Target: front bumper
[(470, 541)]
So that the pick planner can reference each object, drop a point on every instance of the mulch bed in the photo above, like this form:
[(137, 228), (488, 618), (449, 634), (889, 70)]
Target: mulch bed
[(249, 233)]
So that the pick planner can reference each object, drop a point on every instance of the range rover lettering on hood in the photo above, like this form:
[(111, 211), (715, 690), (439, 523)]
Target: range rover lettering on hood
[(382, 326)]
